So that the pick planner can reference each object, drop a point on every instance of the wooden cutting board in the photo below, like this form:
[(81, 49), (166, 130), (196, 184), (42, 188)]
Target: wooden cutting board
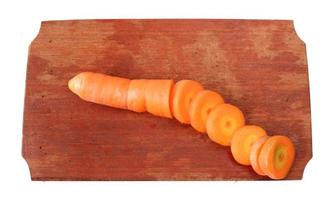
[(258, 65)]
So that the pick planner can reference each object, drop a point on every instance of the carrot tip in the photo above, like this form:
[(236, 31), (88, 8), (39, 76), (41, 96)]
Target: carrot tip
[(74, 84)]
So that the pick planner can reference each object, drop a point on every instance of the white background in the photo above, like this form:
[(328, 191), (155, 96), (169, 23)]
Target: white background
[(20, 21)]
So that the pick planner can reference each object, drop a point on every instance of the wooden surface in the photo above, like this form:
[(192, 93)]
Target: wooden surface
[(258, 65)]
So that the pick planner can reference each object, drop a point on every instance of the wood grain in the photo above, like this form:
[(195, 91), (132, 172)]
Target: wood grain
[(258, 65)]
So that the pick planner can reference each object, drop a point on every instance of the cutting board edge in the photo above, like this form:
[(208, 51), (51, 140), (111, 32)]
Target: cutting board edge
[(291, 23), (293, 27), (25, 158)]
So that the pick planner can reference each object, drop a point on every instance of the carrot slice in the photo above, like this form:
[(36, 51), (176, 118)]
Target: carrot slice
[(136, 95), (102, 89), (254, 154), (157, 97), (277, 156), (222, 122), (200, 107), (181, 97), (242, 141)]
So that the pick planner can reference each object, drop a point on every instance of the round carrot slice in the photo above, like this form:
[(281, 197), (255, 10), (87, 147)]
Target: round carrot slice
[(100, 88), (157, 97), (222, 122), (277, 156), (254, 154), (136, 95), (181, 97), (242, 141), (201, 106)]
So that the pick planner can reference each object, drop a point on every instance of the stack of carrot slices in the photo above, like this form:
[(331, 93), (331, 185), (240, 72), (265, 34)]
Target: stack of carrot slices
[(205, 110)]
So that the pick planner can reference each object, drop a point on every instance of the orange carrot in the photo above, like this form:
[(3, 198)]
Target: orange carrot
[(254, 154), (277, 156), (205, 110), (242, 141), (222, 122), (201, 106), (157, 97), (181, 97), (102, 89), (136, 95)]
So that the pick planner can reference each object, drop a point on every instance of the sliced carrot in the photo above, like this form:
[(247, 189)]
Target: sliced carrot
[(277, 156), (157, 97), (102, 89), (254, 154), (136, 95), (242, 141), (181, 97), (222, 122), (200, 107)]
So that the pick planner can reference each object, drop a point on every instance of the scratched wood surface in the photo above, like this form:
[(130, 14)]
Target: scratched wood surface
[(258, 65)]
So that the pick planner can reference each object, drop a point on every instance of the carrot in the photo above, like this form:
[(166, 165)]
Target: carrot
[(181, 97), (102, 89), (157, 97), (136, 95), (277, 156), (222, 122), (205, 110), (242, 141), (200, 107), (254, 154)]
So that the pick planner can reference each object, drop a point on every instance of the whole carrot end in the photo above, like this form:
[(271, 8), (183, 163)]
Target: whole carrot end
[(74, 84)]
